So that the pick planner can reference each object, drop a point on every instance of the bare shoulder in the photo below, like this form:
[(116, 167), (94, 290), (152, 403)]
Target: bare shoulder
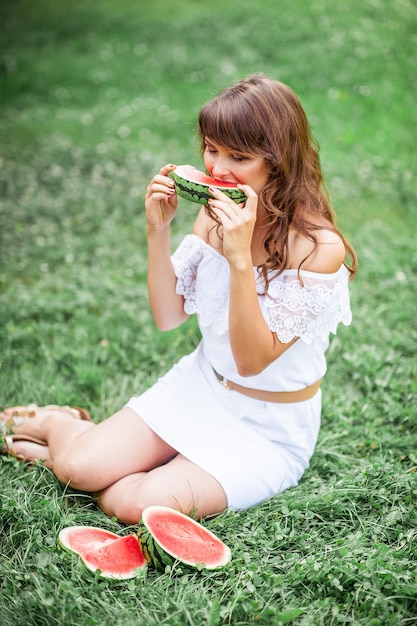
[(325, 258)]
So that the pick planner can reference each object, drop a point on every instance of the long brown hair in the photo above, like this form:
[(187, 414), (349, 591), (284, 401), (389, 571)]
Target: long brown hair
[(262, 116)]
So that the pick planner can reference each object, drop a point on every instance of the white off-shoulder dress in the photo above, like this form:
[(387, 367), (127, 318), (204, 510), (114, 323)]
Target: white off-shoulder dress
[(255, 449)]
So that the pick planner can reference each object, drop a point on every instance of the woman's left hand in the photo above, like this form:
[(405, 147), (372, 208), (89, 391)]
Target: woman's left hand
[(238, 221)]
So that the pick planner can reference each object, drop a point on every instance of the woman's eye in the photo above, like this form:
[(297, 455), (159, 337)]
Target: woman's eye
[(237, 157), (210, 150)]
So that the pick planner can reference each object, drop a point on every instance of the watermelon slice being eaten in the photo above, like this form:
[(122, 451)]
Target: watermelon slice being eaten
[(103, 551), (193, 185)]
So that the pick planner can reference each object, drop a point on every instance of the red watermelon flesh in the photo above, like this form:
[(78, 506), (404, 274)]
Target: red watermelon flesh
[(197, 176), (99, 549), (121, 558), (79, 538), (185, 539)]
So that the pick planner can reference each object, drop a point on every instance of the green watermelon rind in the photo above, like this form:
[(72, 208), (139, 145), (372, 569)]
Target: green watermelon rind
[(152, 551), (64, 544), (161, 557), (199, 192)]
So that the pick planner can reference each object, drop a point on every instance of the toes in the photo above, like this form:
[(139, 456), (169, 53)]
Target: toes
[(28, 451)]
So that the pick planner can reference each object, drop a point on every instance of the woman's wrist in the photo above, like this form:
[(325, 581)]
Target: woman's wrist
[(154, 232), (241, 264)]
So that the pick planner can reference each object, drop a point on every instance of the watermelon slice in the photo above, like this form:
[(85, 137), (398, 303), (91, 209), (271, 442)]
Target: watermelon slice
[(103, 551), (193, 185), (166, 536)]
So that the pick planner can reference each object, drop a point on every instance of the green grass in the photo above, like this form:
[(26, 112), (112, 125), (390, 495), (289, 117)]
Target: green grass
[(95, 96)]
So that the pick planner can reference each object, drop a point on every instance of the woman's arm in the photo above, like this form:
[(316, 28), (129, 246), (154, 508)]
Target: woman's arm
[(253, 344), (160, 204)]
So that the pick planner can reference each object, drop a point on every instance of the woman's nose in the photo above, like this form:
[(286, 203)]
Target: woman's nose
[(220, 169)]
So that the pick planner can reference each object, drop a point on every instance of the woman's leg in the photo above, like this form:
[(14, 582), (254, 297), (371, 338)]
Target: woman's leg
[(89, 456), (179, 484)]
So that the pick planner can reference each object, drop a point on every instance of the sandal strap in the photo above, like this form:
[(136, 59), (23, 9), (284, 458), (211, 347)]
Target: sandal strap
[(29, 411), (76, 411)]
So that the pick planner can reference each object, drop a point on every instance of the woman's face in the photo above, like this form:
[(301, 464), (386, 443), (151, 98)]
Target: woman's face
[(235, 167)]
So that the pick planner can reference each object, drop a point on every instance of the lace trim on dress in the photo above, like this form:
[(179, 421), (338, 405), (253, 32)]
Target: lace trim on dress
[(311, 310), (209, 295), (290, 309)]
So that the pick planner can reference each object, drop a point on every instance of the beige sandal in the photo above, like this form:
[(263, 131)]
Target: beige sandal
[(9, 437)]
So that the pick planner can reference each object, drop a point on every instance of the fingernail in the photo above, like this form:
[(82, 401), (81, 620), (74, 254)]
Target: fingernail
[(211, 189)]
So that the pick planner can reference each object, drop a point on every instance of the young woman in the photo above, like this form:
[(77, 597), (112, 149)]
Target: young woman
[(236, 421)]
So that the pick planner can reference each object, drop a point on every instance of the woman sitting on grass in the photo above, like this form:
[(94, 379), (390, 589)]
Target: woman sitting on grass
[(236, 421)]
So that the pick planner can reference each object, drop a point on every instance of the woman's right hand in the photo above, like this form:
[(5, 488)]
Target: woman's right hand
[(161, 200)]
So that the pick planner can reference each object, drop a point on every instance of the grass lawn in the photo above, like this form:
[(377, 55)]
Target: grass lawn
[(95, 97)]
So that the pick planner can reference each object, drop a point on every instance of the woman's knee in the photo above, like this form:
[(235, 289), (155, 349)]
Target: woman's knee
[(125, 499), (76, 469)]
